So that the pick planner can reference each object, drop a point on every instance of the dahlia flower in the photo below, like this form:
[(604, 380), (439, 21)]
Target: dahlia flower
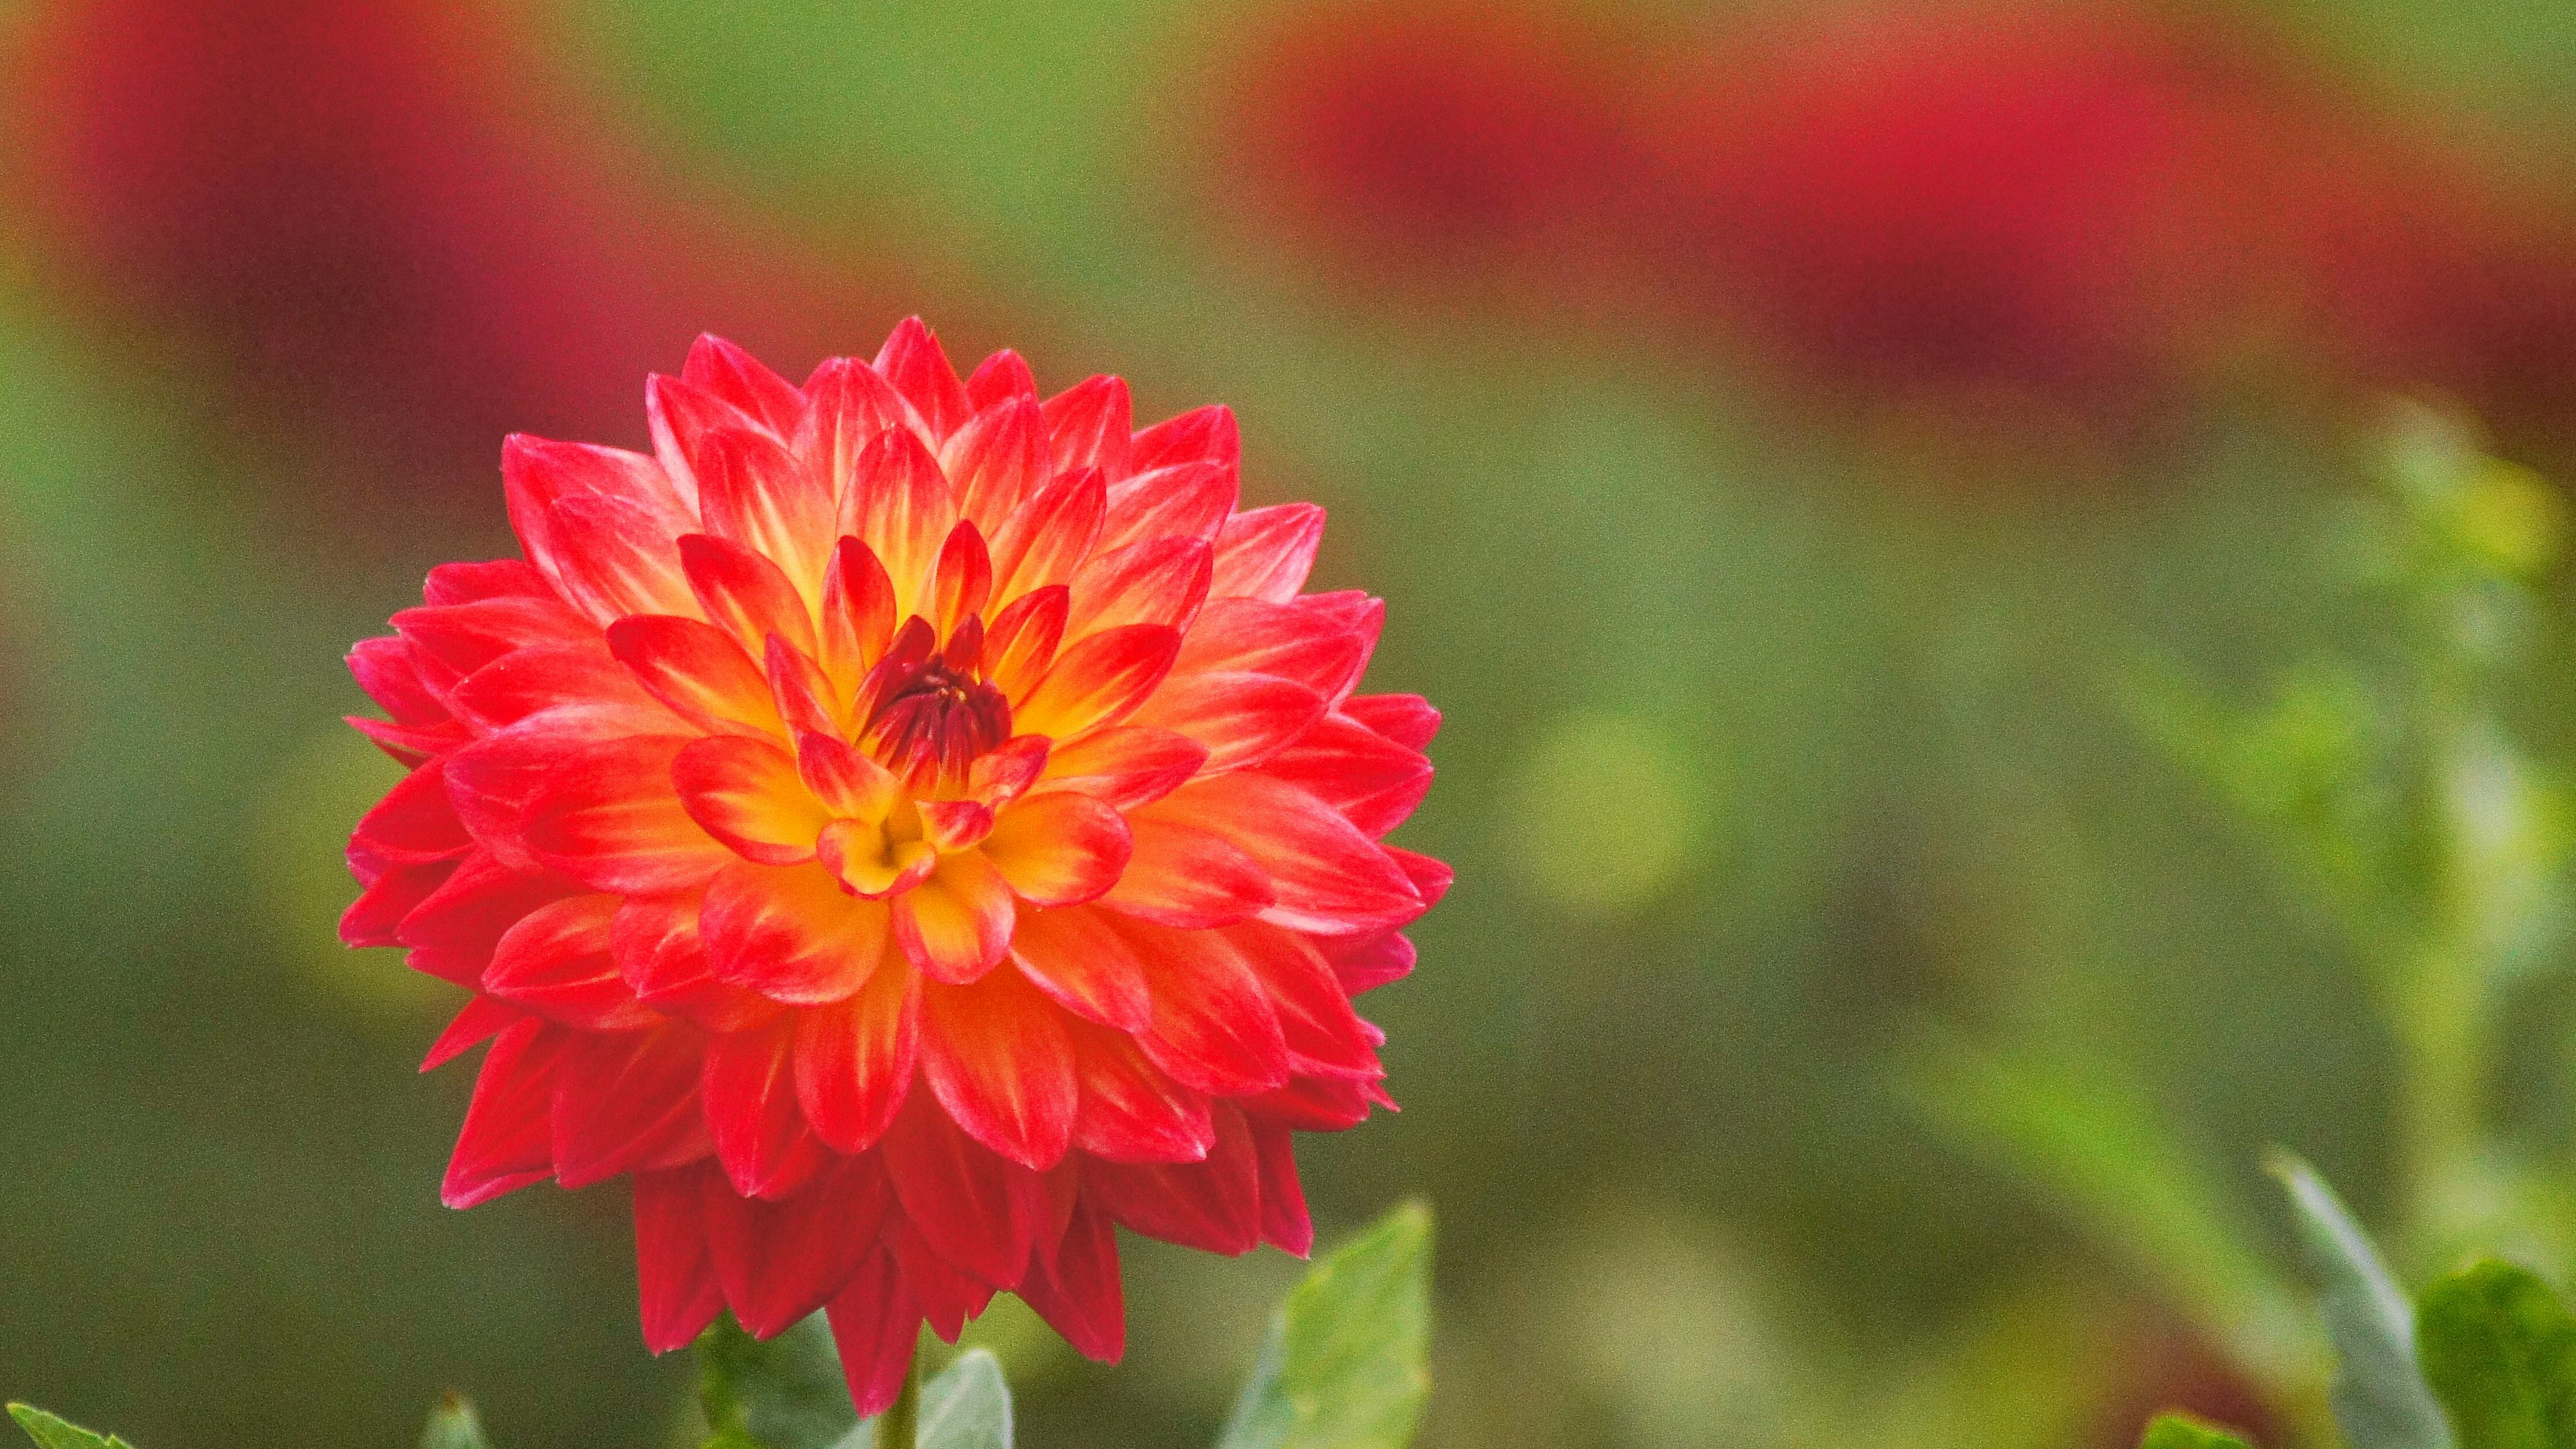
[(909, 828)]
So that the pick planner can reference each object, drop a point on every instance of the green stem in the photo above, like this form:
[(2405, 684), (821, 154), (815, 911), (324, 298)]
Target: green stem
[(900, 1425)]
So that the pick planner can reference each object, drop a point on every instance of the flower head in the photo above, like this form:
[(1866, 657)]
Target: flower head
[(909, 827)]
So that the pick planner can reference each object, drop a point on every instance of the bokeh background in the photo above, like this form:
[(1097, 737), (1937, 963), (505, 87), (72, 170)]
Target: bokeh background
[(1770, 424)]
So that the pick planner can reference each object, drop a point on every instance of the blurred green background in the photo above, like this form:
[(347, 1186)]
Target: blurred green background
[(1774, 430)]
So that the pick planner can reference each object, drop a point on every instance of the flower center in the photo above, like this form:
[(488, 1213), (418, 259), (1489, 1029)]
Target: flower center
[(934, 721)]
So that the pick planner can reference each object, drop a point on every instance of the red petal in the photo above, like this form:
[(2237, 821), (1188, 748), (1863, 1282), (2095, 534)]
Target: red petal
[(506, 1142), (500, 578), (854, 1060), (744, 593), (981, 1211), (373, 917), (791, 934), (954, 825), (1325, 1037), (537, 473), (1213, 1027), (1005, 773), (900, 504), (1328, 877), (997, 459), (1098, 681), (1090, 425), (1161, 581), (454, 931), (1079, 1294), (1002, 376), (1125, 767), (482, 1018), (1181, 875), (675, 1275), (1242, 719), (913, 361), (1024, 638), (556, 963), (384, 668), (1059, 849), (848, 404), (780, 1261), (610, 819), (1316, 1104), (963, 579), (698, 671), (1369, 962), (1284, 1223), (747, 793), (1260, 637), (1267, 552), (491, 781), (528, 681), (1132, 1111), (659, 952), (847, 782), (614, 558), (465, 637), (682, 413), (414, 824), (799, 688), (1407, 719), (627, 1102), (753, 491), (858, 615), (1214, 1205), (742, 380), (1046, 538), (956, 925), (1205, 434), (1076, 957), (876, 1326), (749, 1092), (1430, 877), (1190, 500), (1373, 781), (948, 1295), (996, 1055)]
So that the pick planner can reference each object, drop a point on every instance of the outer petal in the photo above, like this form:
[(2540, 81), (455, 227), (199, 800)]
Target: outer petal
[(747, 793), (981, 1211), (1047, 537), (1159, 581), (698, 671), (749, 1092), (506, 1142), (1325, 1037), (1002, 376), (1329, 878), (1189, 500), (1241, 719), (1407, 719), (674, 1274), (848, 404), (791, 934), (854, 1059), (610, 819), (875, 1328), (482, 1018), (1213, 1027), (616, 558), (914, 362), (956, 925), (628, 1101), (1373, 781), (658, 950), (1091, 425), (997, 459), (1284, 1223), (1125, 767), (453, 933), (1214, 1205), (780, 1261), (1183, 875), (1078, 958), (1132, 1110), (536, 473), (556, 963), (900, 504), (1078, 1293), (1267, 553), (1059, 849), (996, 1055), (744, 593), (1205, 434), (1260, 637), (744, 381), (758, 494)]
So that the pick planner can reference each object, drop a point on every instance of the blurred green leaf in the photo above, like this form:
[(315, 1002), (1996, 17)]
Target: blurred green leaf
[(2096, 1148), (2379, 1396), (967, 1407), (2500, 1350), (788, 1393), (2173, 1431), (55, 1433), (453, 1425), (1344, 1365)]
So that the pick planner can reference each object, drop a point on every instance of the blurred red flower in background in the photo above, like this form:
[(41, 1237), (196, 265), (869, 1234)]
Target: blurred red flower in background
[(1413, 140), (398, 219), (912, 828)]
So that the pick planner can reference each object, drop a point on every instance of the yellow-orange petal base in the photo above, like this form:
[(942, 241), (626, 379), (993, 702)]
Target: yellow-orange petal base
[(910, 827)]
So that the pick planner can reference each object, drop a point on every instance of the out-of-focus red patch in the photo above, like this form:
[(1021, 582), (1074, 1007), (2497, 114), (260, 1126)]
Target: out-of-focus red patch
[(1413, 140), (400, 220), (2170, 1368)]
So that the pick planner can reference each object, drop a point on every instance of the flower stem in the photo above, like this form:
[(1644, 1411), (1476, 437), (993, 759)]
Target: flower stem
[(900, 1425)]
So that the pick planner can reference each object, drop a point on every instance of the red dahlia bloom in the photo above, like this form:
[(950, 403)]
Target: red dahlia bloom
[(912, 828)]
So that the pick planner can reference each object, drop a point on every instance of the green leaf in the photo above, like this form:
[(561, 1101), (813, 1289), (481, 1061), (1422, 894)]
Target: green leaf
[(2379, 1397), (788, 1393), (2173, 1431), (2500, 1350), (967, 1406), (453, 1425), (2089, 1142), (1343, 1367), (54, 1433)]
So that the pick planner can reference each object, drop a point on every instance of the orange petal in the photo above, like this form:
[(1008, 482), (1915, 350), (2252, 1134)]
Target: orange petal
[(1160, 581), (699, 672), (1241, 718), (847, 404), (1047, 537), (609, 818), (956, 924), (1125, 767), (1078, 958), (996, 1055), (1183, 875), (744, 593), (791, 934), (1189, 500), (858, 615), (847, 782), (747, 793), (900, 504), (863, 858), (854, 1059), (997, 459), (1098, 681), (1059, 849), (1267, 552), (914, 362), (1328, 877), (756, 493)]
